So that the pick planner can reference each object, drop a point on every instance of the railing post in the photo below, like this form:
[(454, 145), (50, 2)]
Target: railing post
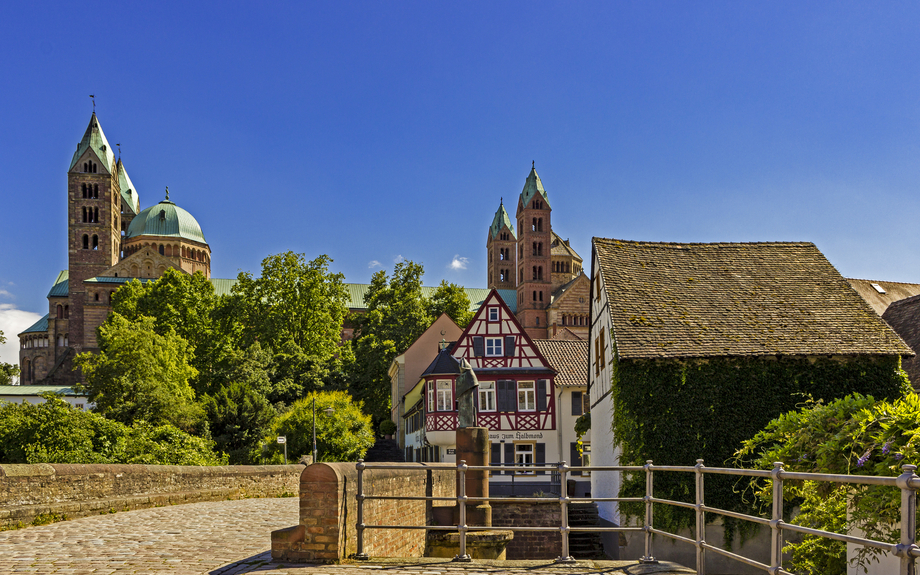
[(776, 522), (461, 501), (360, 496), (700, 520), (648, 557), (908, 519), (565, 557)]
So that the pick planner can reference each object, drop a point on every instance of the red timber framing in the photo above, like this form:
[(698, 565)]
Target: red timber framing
[(516, 381)]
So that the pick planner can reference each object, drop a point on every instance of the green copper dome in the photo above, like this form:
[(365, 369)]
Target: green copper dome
[(165, 219)]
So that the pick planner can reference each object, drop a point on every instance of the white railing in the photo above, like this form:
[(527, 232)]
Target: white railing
[(906, 550)]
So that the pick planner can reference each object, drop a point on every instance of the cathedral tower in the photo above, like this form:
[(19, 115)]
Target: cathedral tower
[(534, 281), (501, 248), (93, 219)]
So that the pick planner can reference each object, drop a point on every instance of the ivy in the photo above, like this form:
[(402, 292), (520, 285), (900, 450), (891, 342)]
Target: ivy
[(674, 411)]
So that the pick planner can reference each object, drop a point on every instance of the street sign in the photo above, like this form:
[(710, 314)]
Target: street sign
[(282, 439)]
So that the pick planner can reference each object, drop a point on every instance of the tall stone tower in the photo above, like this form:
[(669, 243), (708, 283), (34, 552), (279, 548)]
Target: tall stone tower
[(93, 220), (501, 248), (534, 285)]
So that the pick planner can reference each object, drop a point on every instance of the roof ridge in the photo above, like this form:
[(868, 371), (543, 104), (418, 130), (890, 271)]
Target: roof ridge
[(676, 244), (882, 281)]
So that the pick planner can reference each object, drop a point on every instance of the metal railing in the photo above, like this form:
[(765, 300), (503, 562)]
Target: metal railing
[(906, 550)]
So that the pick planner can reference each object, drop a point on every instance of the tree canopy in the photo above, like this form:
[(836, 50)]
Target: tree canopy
[(56, 432), (140, 375), (397, 314), (344, 435)]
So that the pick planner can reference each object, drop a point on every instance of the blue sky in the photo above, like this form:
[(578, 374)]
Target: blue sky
[(373, 131)]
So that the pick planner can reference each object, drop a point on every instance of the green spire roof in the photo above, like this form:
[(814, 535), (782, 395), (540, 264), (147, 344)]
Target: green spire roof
[(95, 139), (128, 191), (532, 187), (166, 219), (500, 220)]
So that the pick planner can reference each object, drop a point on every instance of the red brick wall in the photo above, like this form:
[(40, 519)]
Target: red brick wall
[(530, 544), (328, 511)]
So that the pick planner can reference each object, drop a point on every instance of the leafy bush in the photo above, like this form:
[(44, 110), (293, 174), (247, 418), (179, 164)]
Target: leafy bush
[(345, 435), (56, 432), (853, 435), (387, 427)]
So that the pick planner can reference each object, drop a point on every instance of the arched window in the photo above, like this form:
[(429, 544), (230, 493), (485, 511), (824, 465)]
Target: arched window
[(540, 272), (96, 215), (84, 191), (96, 191), (66, 338), (534, 296), (541, 296), (66, 311), (535, 272), (94, 167), (95, 242), (60, 340), (540, 225), (96, 296), (161, 250), (534, 228), (60, 311), (84, 214), (85, 242)]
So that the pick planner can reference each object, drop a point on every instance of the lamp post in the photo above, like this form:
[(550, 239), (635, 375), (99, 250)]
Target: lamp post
[(327, 411)]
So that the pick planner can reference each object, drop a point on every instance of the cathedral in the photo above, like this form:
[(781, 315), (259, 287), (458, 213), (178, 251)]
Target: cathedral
[(110, 241), (552, 289)]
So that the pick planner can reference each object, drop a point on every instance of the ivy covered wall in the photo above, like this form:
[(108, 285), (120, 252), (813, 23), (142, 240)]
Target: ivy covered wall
[(676, 411)]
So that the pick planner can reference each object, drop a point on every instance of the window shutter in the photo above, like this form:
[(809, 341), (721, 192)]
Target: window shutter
[(509, 346), (509, 457), (495, 456), (575, 459), (540, 457), (576, 403), (479, 347), (506, 400), (541, 394)]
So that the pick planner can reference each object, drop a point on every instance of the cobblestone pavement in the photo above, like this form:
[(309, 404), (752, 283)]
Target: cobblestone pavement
[(222, 538)]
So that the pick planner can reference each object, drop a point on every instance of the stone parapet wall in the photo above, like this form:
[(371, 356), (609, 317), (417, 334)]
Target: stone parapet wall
[(530, 544), (328, 511), (63, 490)]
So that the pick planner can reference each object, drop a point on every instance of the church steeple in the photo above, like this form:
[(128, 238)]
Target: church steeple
[(501, 250), (534, 282), (93, 139), (532, 187)]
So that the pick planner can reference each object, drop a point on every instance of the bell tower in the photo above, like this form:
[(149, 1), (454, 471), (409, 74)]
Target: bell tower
[(534, 273), (501, 248), (93, 220)]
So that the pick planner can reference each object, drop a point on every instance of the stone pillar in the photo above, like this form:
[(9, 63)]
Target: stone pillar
[(473, 447)]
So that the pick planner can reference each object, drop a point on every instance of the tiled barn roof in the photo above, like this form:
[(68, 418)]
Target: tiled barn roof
[(904, 317), (569, 358), (730, 299)]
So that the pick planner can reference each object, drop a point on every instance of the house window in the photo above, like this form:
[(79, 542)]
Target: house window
[(577, 404), (493, 346), (493, 314), (430, 396), (78, 405), (445, 395), (527, 397), (487, 396), (523, 457)]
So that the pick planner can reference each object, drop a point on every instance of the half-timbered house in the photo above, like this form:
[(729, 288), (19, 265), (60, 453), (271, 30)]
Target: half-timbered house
[(516, 400)]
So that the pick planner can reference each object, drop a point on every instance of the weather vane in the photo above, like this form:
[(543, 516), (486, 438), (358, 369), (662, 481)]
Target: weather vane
[(94, 102), (167, 193), (119, 150)]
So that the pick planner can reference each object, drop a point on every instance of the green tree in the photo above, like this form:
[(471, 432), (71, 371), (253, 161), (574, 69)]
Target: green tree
[(345, 435), (396, 316), (139, 374), (238, 416), (56, 432), (451, 299), (853, 435), (8, 372), (295, 310), (187, 305)]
